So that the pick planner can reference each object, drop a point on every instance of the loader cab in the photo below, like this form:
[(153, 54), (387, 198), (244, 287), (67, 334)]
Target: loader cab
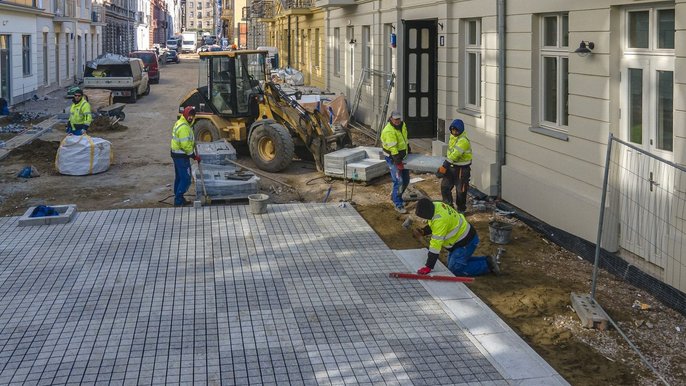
[(231, 82)]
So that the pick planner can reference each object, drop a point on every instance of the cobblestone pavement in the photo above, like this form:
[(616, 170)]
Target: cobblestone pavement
[(300, 295)]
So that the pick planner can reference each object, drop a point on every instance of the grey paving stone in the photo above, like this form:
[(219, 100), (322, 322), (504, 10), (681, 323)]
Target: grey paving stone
[(298, 296)]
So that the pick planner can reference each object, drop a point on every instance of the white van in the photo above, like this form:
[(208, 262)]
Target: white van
[(173, 44)]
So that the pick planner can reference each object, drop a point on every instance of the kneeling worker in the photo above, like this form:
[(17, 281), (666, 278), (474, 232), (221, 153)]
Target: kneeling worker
[(450, 230)]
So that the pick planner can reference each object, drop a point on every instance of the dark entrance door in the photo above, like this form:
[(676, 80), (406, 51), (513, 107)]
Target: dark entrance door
[(419, 99)]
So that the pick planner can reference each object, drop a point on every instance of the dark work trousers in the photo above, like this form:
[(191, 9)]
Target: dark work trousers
[(458, 177), (182, 180)]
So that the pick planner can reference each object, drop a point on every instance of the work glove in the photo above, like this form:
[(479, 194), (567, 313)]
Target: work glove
[(424, 270), (68, 128), (400, 166), (397, 158), (447, 165), (440, 173), (197, 158)]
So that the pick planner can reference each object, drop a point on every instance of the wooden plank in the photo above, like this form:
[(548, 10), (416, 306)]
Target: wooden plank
[(28, 135)]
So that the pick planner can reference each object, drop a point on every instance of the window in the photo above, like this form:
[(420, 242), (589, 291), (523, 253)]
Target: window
[(199, 5), (26, 54), (316, 48), (199, 15), (190, 5), (45, 58), (647, 75), (207, 23), (191, 23), (337, 51), (191, 13), (388, 50), (366, 49), (472, 64), (554, 72)]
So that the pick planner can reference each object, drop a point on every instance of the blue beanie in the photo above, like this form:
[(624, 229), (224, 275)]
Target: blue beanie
[(458, 124)]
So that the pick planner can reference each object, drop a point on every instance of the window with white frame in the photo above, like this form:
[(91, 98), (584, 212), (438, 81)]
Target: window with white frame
[(26, 54), (388, 50), (191, 23), (472, 64), (337, 51), (366, 49), (554, 71)]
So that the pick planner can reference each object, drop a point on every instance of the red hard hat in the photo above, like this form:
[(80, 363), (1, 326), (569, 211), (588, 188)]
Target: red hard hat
[(188, 111)]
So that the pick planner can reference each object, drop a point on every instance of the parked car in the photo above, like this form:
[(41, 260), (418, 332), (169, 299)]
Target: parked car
[(207, 48), (173, 56), (124, 76), (151, 61)]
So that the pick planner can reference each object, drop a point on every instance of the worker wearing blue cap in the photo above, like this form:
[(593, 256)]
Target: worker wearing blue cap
[(457, 167)]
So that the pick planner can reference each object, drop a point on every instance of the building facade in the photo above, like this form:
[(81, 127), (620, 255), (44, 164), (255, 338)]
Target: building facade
[(200, 17), (540, 85), (296, 28), (45, 44)]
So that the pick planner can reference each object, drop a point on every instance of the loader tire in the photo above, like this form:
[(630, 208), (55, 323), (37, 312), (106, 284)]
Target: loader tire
[(205, 131), (271, 147)]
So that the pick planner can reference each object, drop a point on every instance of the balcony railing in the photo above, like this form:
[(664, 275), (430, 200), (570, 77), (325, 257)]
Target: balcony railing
[(290, 4), (98, 14), (262, 9)]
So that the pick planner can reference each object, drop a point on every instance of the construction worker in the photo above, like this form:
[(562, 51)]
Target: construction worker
[(457, 167), (79, 114), (449, 229), (182, 150), (396, 147)]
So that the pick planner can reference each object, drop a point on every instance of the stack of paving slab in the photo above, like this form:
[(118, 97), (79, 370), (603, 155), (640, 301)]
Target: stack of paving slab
[(223, 179), (359, 164)]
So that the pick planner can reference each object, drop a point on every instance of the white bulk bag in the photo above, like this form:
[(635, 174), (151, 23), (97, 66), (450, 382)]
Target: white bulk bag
[(79, 155)]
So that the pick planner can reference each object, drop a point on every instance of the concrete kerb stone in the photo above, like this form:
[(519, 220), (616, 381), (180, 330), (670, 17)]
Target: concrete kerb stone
[(66, 214)]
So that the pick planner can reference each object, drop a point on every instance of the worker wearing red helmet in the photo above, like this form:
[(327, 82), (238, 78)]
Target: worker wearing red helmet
[(182, 150)]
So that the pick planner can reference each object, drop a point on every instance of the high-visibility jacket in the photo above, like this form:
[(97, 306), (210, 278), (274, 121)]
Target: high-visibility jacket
[(448, 226), (394, 141), (459, 150), (80, 113), (182, 142)]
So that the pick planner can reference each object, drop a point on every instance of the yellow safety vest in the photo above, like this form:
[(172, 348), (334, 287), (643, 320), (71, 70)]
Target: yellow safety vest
[(182, 141), (459, 150), (80, 113), (447, 227), (393, 140)]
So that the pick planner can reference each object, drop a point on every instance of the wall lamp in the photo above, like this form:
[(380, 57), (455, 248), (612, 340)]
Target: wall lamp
[(585, 48), (353, 41)]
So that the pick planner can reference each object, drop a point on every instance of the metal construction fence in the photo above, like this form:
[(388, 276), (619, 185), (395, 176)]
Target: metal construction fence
[(642, 225), (643, 222)]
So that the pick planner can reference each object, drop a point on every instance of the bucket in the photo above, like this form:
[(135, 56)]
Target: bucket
[(258, 203), (500, 232)]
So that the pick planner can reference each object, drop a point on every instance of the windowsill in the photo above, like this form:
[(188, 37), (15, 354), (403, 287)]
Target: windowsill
[(550, 133), (473, 113)]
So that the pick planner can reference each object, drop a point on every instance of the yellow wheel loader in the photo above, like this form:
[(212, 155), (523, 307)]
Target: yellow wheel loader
[(237, 101)]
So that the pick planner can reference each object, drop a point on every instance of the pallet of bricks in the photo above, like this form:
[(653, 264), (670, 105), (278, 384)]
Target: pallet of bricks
[(357, 164), (224, 180)]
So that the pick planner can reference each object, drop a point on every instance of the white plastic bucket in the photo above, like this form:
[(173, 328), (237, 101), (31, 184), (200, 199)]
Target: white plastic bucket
[(258, 203)]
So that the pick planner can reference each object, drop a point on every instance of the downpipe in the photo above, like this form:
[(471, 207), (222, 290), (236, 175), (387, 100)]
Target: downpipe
[(500, 144)]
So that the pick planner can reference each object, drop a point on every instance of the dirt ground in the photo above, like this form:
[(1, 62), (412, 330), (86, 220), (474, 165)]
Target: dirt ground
[(532, 295)]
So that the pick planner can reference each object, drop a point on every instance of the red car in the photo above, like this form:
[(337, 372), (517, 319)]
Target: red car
[(152, 64)]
